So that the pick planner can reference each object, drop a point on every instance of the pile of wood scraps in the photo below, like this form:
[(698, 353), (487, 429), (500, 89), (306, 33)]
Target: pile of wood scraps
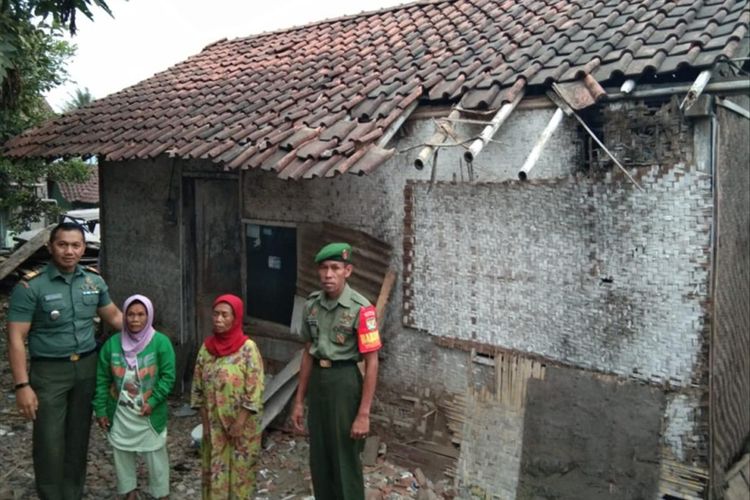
[(682, 481), (423, 433)]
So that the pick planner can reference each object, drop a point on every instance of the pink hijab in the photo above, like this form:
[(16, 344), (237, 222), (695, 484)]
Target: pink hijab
[(134, 342)]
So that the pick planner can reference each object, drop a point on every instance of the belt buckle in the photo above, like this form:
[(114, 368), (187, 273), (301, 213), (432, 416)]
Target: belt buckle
[(75, 356), (325, 363)]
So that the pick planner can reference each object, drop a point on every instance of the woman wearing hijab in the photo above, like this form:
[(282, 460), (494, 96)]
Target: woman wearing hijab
[(135, 374), (228, 390)]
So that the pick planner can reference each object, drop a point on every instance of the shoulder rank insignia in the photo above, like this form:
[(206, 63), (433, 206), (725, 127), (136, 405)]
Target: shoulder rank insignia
[(30, 275), (92, 269)]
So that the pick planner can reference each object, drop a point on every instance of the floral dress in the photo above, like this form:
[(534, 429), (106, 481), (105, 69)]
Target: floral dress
[(222, 385)]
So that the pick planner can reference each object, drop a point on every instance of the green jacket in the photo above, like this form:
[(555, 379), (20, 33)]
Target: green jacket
[(330, 325), (156, 370), (61, 309)]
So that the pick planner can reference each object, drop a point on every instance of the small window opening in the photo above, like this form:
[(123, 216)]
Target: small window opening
[(271, 272)]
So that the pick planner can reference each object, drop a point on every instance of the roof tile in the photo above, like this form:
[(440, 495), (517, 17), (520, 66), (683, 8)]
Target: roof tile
[(84, 192), (314, 100)]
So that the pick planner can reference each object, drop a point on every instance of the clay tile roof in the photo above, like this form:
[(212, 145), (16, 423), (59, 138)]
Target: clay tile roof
[(317, 100), (85, 192)]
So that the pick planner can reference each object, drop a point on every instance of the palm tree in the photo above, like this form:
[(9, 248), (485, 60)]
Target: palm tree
[(80, 98)]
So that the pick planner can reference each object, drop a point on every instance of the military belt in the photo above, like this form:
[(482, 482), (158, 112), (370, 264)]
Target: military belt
[(329, 363), (72, 358)]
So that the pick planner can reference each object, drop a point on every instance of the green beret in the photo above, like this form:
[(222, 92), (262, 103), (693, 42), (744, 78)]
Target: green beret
[(341, 252)]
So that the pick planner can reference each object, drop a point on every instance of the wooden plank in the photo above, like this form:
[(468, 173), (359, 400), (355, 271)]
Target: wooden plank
[(498, 376), (280, 389), (25, 251), (506, 379), (433, 465), (276, 404), (385, 293), (526, 374), (285, 375), (737, 490), (518, 381), (739, 467), (438, 449)]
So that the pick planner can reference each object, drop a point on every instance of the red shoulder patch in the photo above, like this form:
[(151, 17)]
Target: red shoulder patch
[(368, 336)]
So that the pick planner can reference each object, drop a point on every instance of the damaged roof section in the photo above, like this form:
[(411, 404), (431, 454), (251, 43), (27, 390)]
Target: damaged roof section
[(324, 99)]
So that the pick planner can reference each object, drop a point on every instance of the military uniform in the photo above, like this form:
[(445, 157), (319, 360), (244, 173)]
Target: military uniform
[(334, 393), (61, 308)]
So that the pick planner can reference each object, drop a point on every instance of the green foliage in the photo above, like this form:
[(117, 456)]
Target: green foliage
[(19, 196), (80, 98), (32, 61)]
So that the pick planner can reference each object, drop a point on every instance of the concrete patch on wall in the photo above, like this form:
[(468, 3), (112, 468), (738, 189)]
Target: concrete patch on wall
[(588, 437), (590, 272)]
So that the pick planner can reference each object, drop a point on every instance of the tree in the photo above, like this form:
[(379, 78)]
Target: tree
[(33, 54), (80, 98), (54, 15)]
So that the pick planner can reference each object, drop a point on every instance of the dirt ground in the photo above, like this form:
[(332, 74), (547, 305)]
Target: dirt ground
[(283, 472)]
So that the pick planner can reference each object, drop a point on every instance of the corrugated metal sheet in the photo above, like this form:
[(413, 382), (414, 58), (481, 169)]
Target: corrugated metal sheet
[(371, 258)]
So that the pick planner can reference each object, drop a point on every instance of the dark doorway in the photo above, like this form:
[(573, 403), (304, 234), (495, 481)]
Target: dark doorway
[(271, 272)]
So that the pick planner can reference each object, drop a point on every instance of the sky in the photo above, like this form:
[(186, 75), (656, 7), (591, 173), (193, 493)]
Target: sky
[(147, 36)]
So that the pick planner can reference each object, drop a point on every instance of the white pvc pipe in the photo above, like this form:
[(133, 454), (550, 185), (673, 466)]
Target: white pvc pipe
[(731, 86), (489, 130), (425, 156), (696, 90), (539, 146), (627, 86)]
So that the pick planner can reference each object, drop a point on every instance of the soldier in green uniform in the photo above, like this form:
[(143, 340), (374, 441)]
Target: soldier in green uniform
[(54, 309), (339, 328)]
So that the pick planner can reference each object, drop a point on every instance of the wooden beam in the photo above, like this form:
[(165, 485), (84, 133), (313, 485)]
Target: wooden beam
[(25, 251), (385, 293)]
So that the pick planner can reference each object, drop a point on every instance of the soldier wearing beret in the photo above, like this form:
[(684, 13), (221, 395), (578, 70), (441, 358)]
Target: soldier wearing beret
[(54, 309), (339, 328)]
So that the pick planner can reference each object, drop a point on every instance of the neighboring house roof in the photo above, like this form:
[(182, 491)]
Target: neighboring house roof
[(84, 192), (315, 100)]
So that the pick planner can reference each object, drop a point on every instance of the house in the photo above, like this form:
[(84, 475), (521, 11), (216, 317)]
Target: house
[(560, 190), (78, 195)]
